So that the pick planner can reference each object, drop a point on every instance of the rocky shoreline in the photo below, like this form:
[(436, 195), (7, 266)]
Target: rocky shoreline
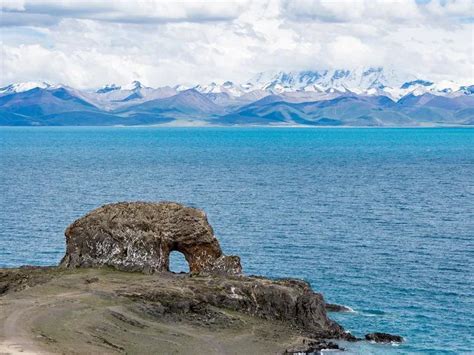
[(113, 293)]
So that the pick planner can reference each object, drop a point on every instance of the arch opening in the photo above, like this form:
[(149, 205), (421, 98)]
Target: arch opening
[(177, 262)]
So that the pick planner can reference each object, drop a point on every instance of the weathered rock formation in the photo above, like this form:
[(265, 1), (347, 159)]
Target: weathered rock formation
[(139, 236)]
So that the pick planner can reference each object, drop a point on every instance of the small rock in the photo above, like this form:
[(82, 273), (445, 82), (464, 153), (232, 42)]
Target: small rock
[(91, 280)]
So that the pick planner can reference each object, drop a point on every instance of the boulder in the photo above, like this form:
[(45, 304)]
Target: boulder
[(332, 307), (139, 236), (312, 347), (383, 338)]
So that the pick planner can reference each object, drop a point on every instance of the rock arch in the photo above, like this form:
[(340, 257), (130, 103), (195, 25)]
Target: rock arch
[(139, 236)]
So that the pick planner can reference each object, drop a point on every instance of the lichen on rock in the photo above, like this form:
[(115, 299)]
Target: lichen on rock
[(139, 236)]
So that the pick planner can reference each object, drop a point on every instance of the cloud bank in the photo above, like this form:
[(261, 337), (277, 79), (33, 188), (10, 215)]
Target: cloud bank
[(89, 43)]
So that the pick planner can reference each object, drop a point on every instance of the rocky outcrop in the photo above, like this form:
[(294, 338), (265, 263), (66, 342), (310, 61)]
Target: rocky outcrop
[(383, 338), (14, 280), (289, 300), (139, 236)]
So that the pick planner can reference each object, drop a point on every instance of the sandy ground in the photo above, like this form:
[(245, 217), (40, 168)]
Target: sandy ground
[(73, 315)]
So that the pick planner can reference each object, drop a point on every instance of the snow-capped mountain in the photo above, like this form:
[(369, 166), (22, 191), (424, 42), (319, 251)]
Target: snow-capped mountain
[(44, 89), (361, 81), (363, 96), (358, 81), (227, 87), (371, 81), (22, 87), (316, 84), (113, 96)]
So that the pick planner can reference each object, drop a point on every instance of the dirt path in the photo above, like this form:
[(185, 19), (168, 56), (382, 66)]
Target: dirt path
[(20, 316), (14, 335)]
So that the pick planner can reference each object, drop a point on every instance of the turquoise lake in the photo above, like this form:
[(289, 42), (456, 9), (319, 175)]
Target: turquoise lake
[(381, 220)]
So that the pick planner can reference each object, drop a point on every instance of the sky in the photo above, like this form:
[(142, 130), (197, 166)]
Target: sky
[(89, 43)]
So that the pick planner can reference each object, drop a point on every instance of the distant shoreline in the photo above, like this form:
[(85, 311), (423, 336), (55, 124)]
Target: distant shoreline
[(244, 126)]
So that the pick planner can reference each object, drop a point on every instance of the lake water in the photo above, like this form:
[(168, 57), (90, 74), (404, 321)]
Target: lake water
[(381, 220)]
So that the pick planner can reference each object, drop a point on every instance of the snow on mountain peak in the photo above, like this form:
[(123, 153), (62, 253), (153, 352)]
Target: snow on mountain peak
[(134, 85), (227, 87), (370, 81), (180, 87), (296, 86), (26, 86), (356, 80), (108, 88)]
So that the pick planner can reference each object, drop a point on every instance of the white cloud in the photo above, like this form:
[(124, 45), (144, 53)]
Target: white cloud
[(350, 51), (125, 11), (18, 5), (378, 10), (456, 8), (351, 10), (165, 42)]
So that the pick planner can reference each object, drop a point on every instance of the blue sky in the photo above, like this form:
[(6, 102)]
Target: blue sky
[(91, 43)]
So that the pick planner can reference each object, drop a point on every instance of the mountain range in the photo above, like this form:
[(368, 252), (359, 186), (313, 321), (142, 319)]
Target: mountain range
[(363, 97)]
